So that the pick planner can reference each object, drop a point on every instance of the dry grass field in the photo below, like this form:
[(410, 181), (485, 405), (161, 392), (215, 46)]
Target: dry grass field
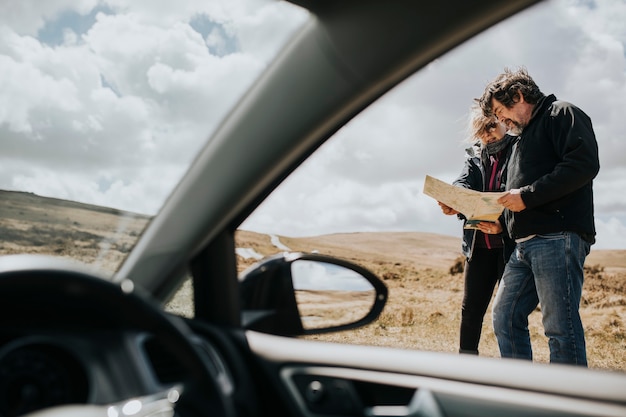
[(321, 309), (423, 311), (38, 225)]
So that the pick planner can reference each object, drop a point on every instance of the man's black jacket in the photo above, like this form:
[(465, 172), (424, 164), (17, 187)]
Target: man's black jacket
[(553, 163)]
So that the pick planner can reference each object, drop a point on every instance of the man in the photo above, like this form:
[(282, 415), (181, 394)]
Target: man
[(549, 213)]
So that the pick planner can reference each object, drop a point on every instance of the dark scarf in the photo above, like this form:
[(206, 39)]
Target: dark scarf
[(493, 148)]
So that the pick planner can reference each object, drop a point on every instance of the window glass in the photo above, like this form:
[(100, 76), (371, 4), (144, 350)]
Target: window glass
[(104, 106), (359, 197)]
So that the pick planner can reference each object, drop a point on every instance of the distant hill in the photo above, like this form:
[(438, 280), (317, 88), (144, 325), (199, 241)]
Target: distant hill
[(26, 200), (30, 223), (420, 250)]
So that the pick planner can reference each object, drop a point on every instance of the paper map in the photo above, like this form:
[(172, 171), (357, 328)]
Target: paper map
[(476, 206)]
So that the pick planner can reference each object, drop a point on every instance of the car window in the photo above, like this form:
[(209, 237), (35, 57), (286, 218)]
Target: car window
[(104, 106), (360, 196)]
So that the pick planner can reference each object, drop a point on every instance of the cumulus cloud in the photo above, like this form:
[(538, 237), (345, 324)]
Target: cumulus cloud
[(128, 93), (19, 14)]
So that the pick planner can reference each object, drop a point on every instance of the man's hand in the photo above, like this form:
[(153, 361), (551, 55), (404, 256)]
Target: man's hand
[(446, 209), (512, 200)]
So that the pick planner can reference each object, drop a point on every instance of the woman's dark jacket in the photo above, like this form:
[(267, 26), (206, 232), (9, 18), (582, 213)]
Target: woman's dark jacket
[(553, 164), (473, 177)]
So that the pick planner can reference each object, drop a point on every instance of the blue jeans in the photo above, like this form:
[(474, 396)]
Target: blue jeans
[(546, 270)]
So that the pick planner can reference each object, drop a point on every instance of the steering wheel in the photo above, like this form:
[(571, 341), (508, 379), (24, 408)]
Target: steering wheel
[(38, 292)]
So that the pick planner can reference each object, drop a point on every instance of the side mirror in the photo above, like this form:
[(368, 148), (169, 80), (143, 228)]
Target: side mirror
[(296, 294)]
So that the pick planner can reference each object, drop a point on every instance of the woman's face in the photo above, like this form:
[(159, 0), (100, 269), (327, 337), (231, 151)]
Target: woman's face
[(493, 132)]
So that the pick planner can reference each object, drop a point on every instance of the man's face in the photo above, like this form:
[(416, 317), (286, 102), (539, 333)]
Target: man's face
[(516, 117)]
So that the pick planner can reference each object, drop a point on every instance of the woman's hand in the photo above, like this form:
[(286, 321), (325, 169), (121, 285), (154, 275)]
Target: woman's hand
[(490, 228), (446, 209)]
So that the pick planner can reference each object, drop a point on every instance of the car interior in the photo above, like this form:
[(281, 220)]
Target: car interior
[(77, 343)]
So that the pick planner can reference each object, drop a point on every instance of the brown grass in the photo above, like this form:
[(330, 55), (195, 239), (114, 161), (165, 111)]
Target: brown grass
[(48, 226), (331, 308), (426, 288), (421, 271)]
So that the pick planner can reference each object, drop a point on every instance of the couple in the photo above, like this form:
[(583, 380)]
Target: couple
[(538, 247)]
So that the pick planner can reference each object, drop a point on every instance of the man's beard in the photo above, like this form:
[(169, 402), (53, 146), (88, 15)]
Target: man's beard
[(516, 128)]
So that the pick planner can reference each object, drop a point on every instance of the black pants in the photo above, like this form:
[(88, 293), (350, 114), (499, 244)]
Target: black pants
[(481, 275)]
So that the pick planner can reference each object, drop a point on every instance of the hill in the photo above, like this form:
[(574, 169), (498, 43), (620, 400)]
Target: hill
[(30, 223)]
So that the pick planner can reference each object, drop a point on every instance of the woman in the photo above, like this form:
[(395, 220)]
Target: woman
[(485, 247)]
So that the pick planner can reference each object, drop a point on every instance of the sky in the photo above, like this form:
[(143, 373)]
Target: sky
[(107, 102), (370, 176)]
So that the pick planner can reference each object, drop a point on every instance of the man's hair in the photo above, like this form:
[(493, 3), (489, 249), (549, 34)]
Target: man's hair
[(507, 87)]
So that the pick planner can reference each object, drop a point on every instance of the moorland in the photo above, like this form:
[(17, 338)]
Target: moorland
[(421, 270), (424, 276)]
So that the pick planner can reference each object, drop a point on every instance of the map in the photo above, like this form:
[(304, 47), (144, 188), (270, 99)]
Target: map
[(476, 206)]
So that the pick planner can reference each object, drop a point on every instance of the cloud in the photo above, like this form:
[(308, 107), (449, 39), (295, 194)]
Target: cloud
[(19, 14), (611, 233), (571, 49), (128, 98)]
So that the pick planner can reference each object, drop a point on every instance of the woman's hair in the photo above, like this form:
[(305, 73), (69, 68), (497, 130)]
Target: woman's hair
[(507, 87), (478, 123)]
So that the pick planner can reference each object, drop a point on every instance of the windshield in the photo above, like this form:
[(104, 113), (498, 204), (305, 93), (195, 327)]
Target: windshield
[(104, 105)]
